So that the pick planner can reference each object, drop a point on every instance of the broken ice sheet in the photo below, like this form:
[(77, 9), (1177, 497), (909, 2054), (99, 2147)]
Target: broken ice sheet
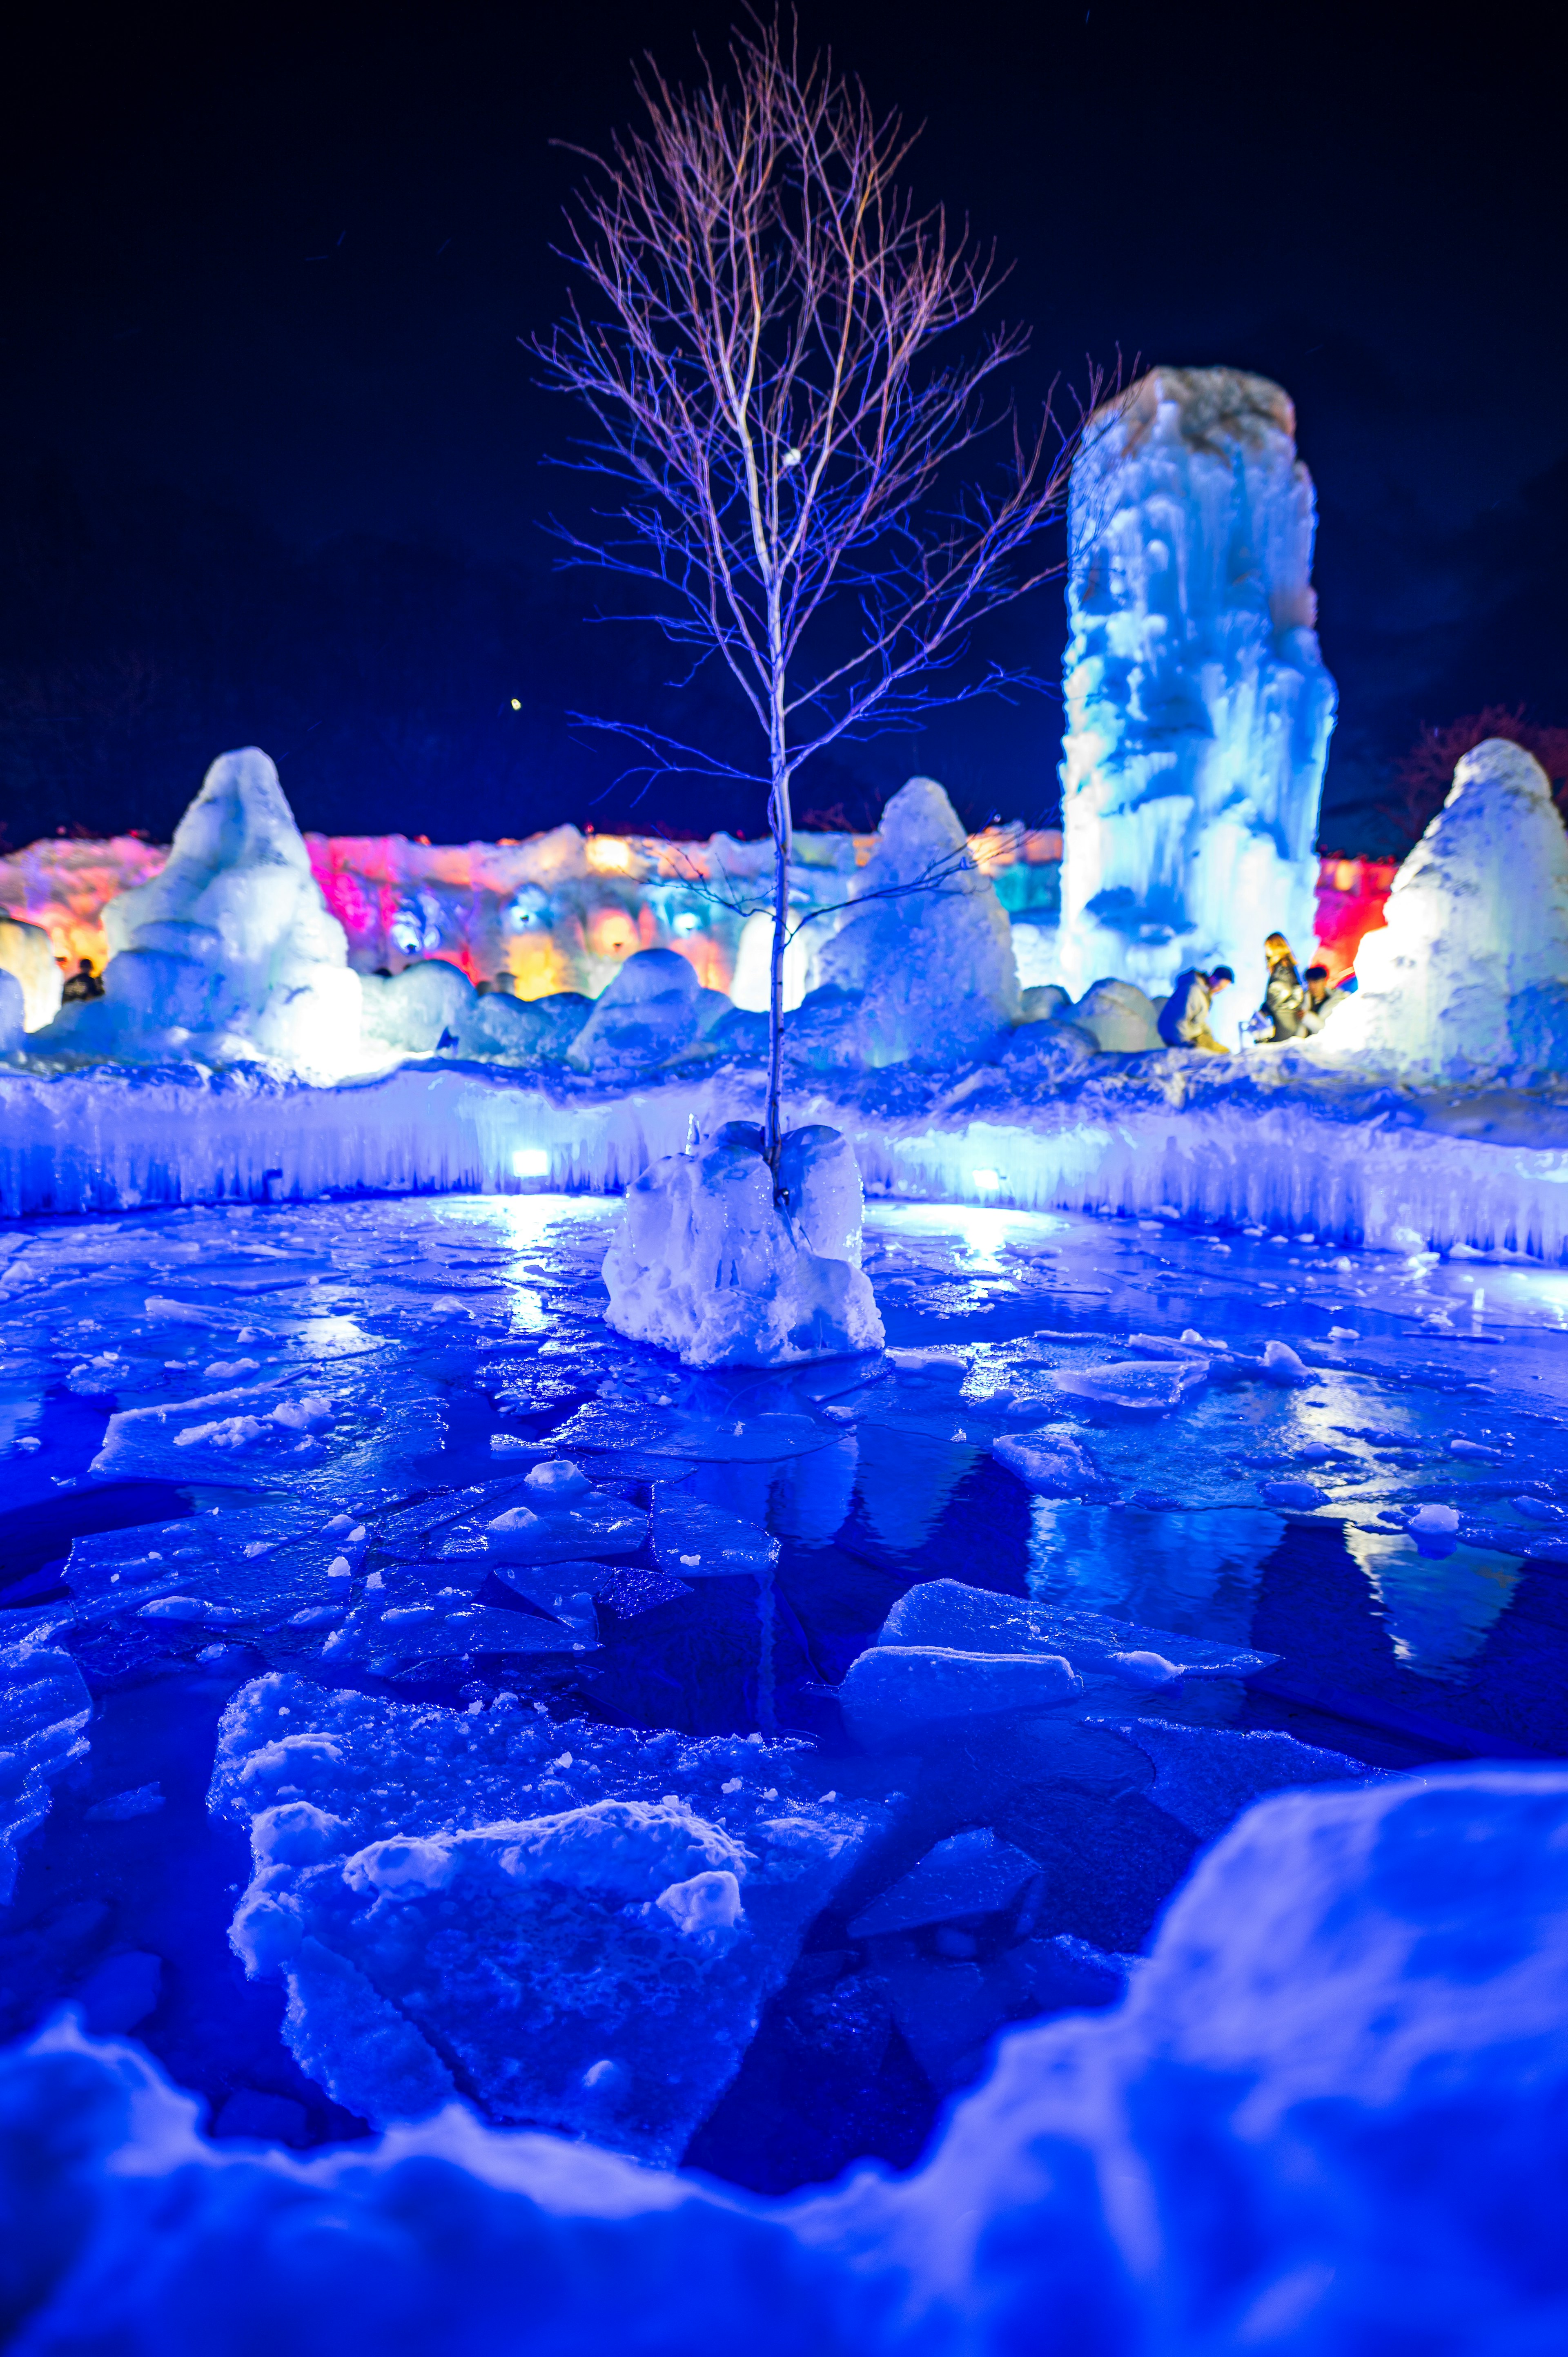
[(694, 1539), (44, 1709), (578, 1924)]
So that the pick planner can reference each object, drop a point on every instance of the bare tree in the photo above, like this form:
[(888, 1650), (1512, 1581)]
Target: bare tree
[(765, 347)]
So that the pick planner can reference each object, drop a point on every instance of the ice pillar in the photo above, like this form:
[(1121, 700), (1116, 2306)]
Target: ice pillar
[(1199, 709)]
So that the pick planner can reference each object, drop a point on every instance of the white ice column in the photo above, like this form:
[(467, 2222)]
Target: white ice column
[(1199, 709)]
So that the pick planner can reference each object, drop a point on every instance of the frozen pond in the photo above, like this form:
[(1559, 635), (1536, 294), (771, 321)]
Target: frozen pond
[(267, 1488)]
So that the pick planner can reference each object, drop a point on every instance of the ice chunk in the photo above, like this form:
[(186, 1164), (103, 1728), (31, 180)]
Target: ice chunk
[(968, 1874), (43, 1707), (1198, 705), (1118, 1017), (26, 954), (1284, 1366), (1467, 978), (1053, 1464), (948, 1612), (716, 1264), (890, 1689), (922, 965), (693, 1537), (1204, 1776), (649, 1015), (522, 1902), (1132, 1391), (229, 952)]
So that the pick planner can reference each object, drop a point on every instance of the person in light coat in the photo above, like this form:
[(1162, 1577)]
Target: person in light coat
[(1184, 1018)]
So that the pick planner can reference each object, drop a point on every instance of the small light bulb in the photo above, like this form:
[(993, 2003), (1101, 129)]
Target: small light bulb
[(517, 704), (791, 457)]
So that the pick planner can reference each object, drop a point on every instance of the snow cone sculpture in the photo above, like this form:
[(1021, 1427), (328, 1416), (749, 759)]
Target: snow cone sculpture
[(229, 952), (724, 1265), (1469, 980), (921, 968)]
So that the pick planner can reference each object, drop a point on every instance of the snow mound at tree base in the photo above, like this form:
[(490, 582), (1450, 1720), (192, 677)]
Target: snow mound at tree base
[(717, 1264)]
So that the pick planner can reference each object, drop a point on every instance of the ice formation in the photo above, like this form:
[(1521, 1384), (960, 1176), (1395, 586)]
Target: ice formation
[(650, 1012), (1199, 708), (13, 1012), (44, 1706), (1348, 2035), (229, 950), (1468, 979), (26, 954), (529, 1905), (920, 969), (725, 1265)]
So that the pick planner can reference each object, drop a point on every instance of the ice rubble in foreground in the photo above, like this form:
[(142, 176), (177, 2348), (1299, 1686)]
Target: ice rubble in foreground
[(1327, 2117)]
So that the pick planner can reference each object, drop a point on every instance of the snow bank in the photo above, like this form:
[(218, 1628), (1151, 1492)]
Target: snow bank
[(1349, 2038), (229, 950), (922, 969), (1469, 977), (1199, 708), (710, 1264)]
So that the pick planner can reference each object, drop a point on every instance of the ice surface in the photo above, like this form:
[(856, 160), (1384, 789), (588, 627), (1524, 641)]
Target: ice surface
[(1199, 708), (44, 1706), (709, 1264), (230, 951), (578, 1924), (1466, 980), (26, 954), (1349, 2034), (920, 969), (968, 1874)]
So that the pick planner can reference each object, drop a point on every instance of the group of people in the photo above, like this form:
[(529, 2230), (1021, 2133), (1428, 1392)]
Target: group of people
[(1295, 1005)]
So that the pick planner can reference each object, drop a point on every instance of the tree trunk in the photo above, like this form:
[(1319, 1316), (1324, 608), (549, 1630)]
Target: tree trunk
[(782, 827)]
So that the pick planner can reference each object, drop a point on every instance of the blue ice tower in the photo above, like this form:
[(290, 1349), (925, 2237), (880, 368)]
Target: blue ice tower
[(1198, 708)]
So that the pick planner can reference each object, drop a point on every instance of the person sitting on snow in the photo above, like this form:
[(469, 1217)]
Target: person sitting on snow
[(82, 984), (1184, 1018), (1284, 998), (1323, 997)]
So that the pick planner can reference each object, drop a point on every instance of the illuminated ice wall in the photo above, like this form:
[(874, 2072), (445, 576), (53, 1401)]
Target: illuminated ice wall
[(1199, 709)]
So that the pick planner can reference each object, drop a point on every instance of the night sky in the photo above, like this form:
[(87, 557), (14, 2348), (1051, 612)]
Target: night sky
[(271, 449)]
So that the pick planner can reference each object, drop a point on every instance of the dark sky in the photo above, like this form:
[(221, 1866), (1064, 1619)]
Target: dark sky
[(270, 446)]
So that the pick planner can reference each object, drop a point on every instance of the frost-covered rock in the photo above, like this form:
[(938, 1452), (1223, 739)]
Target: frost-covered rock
[(1119, 1018), (710, 1264), (229, 952), (1469, 977), (28, 953), (1199, 706), (410, 1013), (1348, 2036), (651, 1012), (44, 1706), (922, 966), (582, 1922)]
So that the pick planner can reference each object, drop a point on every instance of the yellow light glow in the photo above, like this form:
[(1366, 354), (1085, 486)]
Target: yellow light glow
[(609, 856)]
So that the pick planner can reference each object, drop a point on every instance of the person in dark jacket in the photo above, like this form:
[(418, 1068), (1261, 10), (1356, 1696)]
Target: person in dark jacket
[(1184, 1018), (82, 984), (1281, 1014)]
